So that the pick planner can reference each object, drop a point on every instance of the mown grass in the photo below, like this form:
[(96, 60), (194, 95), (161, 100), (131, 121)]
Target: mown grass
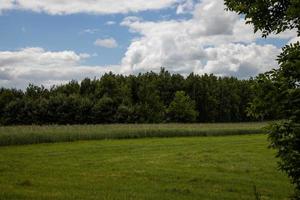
[(150, 168), (14, 135)]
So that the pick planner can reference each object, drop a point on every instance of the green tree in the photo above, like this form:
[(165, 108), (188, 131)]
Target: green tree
[(246, 94), (165, 86), (285, 136), (137, 99), (84, 111), (109, 85), (228, 100), (149, 107), (268, 16), (182, 108), (87, 87), (14, 112), (276, 16), (104, 110), (7, 96), (67, 89), (124, 113), (264, 106)]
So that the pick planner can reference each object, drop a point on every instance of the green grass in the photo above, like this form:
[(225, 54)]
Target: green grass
[(14, 135), (151, 168)]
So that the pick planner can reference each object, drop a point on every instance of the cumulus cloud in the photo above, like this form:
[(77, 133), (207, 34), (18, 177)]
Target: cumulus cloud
[(107, 43), (62, 7), (35, 65), (240, 60), (212, 41)]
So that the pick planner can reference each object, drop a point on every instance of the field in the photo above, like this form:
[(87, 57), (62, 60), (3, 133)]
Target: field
[(228, 167), (14, 135)]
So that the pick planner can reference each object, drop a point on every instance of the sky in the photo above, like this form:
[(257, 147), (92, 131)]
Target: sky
[(52, 42)]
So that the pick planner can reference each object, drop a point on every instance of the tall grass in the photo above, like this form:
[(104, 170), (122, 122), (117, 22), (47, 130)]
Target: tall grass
[(18, 135)]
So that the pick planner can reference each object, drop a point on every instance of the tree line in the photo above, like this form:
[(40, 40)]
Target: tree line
[(143, 98)]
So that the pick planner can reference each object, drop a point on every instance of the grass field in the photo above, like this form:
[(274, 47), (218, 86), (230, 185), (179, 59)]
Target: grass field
[(150, 168), (14, 135)]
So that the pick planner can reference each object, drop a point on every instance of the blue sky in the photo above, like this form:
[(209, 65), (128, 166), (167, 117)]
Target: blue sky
[(52, 42), (75, 32), (59, 33)]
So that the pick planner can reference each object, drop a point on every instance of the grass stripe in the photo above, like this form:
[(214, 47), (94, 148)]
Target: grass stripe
[(20, 135)]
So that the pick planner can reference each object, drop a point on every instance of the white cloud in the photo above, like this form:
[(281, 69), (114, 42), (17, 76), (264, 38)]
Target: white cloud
[(239, 60), (38, 57), (212, 41), (284, 35), (186, 7), (110, 23), (6, 5), (213, 19), (294, 40), (60, 7), (85, 55), (107, 43), (35, 65)]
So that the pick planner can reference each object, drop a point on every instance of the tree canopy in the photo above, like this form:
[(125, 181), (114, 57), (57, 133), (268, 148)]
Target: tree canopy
[(268, 16), (142, 98), (182, 108)]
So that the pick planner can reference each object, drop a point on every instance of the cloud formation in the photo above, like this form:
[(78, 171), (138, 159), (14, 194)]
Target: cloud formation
[(63, 7), (107, 43), (38, 57), (212, 41), (239, 60), (35, 65)]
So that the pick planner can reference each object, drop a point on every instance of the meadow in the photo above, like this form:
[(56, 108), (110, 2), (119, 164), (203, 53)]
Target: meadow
[(231, 167), (16, 135)]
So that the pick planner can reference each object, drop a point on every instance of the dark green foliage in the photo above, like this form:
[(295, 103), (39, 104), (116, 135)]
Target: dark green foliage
[(148, 106), (124, 113), (104, 110), (14, 112), (268, 15), (285, 137), (278, 93), (6, 97), (182, 108), (264, 106), (287, 79), (87, 87), (143, 98), (85, 110)]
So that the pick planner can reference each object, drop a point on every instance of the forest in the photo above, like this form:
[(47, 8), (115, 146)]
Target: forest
[(143, 98)]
